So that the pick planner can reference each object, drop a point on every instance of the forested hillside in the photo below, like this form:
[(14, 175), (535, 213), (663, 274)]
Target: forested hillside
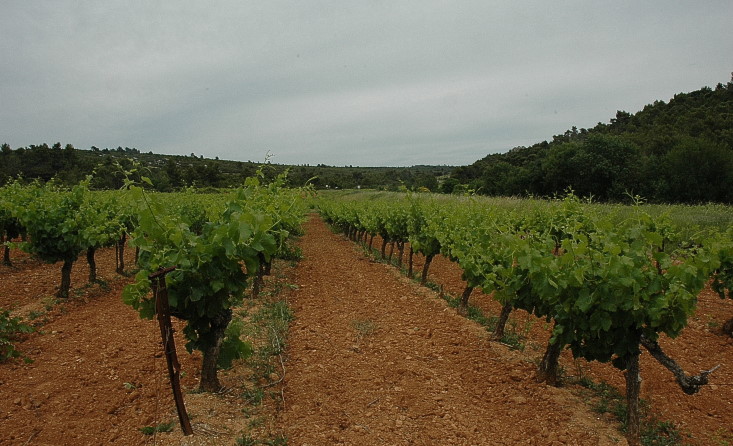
[(68, 165), (679, 151)]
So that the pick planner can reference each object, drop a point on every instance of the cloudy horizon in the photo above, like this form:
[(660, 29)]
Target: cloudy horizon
[(345, 83)]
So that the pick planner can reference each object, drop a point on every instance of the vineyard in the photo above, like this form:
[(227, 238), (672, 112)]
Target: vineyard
[(572, 298), (606, 284)]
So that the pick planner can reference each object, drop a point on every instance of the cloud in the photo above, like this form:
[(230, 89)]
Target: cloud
[(368, 83)]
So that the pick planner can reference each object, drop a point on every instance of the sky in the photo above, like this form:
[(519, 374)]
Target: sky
[(363, 83)]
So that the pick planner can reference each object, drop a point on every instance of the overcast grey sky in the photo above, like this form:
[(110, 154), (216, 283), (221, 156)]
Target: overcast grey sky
[(368, 83)]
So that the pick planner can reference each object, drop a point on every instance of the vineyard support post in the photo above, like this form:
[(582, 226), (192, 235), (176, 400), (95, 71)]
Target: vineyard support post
[(169, 346)]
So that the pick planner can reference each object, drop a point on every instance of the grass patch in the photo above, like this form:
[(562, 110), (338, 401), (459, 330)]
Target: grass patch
[(254, 396), (279, 440), (245, 440), (35, 314), (263, 325), (513, 337), (162, 427), (364, 328), (722, 437), (605, 399)]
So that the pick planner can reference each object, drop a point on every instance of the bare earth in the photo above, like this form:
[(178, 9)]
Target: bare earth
[(373, 359), (94, 378), (705, 418), (376, 359)]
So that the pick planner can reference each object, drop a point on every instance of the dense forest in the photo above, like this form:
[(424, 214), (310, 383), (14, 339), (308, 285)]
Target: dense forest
[(680, 151), (67, 165)]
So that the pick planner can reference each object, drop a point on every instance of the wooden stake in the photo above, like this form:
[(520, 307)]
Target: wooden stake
[(169, 345)]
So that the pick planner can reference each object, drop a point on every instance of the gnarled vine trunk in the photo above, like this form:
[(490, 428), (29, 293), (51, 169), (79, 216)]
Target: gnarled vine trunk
[(268, 268), (400, 252), (506, 310), (728, 327), (633, 387), (6, 253), (209, 376), (547, 370), (689, 384), (425, 268), (410, 263), (92, 264), (259, 281), (121, 253), (63, 291), (465, 296)]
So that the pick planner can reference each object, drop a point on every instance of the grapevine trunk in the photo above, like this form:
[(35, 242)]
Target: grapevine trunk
[(92, 264), (633, 386), (121, 253), (547, 370), (63, 292), (6, 256), (209, 377), (425, 268), (465, 296), (410, 263), (506, 310), (728, 327), (259, 281)]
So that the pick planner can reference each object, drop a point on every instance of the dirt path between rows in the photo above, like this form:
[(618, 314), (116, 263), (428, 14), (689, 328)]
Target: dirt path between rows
[(97, 374), (702, 419), (374, 359)]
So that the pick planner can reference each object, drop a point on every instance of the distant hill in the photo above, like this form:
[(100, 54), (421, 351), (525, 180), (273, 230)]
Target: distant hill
[(171, 172), (679, 151)]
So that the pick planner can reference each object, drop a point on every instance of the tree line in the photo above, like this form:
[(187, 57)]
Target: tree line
[(68, 165), (675, 152), (679, 151)]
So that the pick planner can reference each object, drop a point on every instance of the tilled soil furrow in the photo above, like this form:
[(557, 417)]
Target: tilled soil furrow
[(97, 374), (375, 359)]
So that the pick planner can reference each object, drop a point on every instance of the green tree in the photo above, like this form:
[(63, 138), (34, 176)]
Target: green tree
[(697, 171)]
